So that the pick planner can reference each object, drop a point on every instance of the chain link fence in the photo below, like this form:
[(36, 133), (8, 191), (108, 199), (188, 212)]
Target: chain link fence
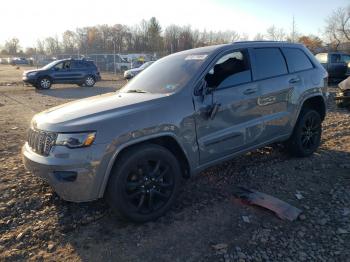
[(112, 62), (106, 62)]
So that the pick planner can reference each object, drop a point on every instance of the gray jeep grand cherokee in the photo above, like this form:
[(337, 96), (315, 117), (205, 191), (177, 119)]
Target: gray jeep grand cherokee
[(186, 112)]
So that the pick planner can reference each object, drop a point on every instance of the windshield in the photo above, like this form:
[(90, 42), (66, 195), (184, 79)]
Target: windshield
[(166, 75), (345, 58), (48, 66)]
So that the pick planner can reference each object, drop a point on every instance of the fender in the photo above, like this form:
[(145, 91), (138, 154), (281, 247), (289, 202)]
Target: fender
[(131, 143), (300, 104)]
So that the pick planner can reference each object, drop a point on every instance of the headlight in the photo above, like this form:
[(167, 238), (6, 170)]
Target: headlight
[(75, 140), (31, 74)]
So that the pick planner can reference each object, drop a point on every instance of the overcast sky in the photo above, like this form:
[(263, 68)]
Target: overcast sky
[(30, 20)]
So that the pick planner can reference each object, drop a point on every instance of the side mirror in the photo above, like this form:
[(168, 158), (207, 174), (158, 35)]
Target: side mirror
[(55, 68), (200, 88), (210, 89)]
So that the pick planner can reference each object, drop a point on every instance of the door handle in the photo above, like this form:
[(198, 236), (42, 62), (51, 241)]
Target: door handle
[(249, 91), (294, 80)]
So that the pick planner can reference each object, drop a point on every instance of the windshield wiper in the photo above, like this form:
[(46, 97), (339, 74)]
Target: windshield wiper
[(136, 91)]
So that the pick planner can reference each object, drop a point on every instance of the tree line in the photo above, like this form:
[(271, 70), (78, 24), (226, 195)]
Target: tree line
[(149, 36)]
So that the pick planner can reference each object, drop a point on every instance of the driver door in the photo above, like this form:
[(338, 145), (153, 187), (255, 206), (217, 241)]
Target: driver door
[(237, 123), (62, 72)]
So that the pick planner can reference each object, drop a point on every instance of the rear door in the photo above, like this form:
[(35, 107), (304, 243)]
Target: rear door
[(303, 74), (78, 71), (271, 76)]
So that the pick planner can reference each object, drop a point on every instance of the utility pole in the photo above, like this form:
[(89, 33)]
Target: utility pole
[(293, 31), (115, 71)]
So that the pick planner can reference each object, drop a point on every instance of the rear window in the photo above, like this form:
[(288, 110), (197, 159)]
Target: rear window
[(90, 64), (268, 62), (296, 60), (76, 64)]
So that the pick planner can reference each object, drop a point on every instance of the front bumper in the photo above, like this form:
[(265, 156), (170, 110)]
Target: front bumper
[(27, 80), (85, 163), (128, 76), (343, 98), (98, 77)]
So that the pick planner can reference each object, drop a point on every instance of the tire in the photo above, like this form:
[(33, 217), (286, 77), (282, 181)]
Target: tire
[(306, 136), (44, 83), (89, 81), (144, 183)]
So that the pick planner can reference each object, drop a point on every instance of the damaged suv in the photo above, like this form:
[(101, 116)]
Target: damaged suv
[(188, 111)]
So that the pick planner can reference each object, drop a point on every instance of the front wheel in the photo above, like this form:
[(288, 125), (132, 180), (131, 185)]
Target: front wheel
[(44, 83), (306, 136), (144, 183)]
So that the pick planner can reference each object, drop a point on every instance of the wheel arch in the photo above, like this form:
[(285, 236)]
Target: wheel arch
[(45, 76), (90, 74), (317, 103), (169, 141)]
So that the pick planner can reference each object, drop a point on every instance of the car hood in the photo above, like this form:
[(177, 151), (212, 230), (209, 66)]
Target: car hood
[(345, 84), (89, 113), (133, 70), (33, 71)]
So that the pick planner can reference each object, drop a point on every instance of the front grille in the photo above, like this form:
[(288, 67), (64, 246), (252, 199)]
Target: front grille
[(41, 142)]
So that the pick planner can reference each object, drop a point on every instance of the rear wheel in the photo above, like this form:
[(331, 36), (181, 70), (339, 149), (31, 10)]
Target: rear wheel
[(89, 81), (306, 136), (144, 183)]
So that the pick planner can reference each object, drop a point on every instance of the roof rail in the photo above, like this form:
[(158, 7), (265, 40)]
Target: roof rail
[(259, 41)]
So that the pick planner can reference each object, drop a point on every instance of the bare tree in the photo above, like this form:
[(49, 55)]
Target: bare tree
[(69, 42), (275, 34), (244, 37), (12, 46), (40, 47), (171, 38), (259, 37), (337, 28), (186, 38), (52, 46)]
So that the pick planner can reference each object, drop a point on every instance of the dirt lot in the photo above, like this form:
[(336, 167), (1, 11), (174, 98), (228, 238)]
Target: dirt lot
[(36, 225)]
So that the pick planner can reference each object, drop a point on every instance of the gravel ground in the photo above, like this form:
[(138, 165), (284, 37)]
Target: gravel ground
[(206, 224)]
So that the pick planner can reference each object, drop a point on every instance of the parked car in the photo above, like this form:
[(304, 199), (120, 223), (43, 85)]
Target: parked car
[(121, 64), (19, 61), (65, 71), (188, 111), (137, 63), (128, 74), (342, 97), (337, 64)]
